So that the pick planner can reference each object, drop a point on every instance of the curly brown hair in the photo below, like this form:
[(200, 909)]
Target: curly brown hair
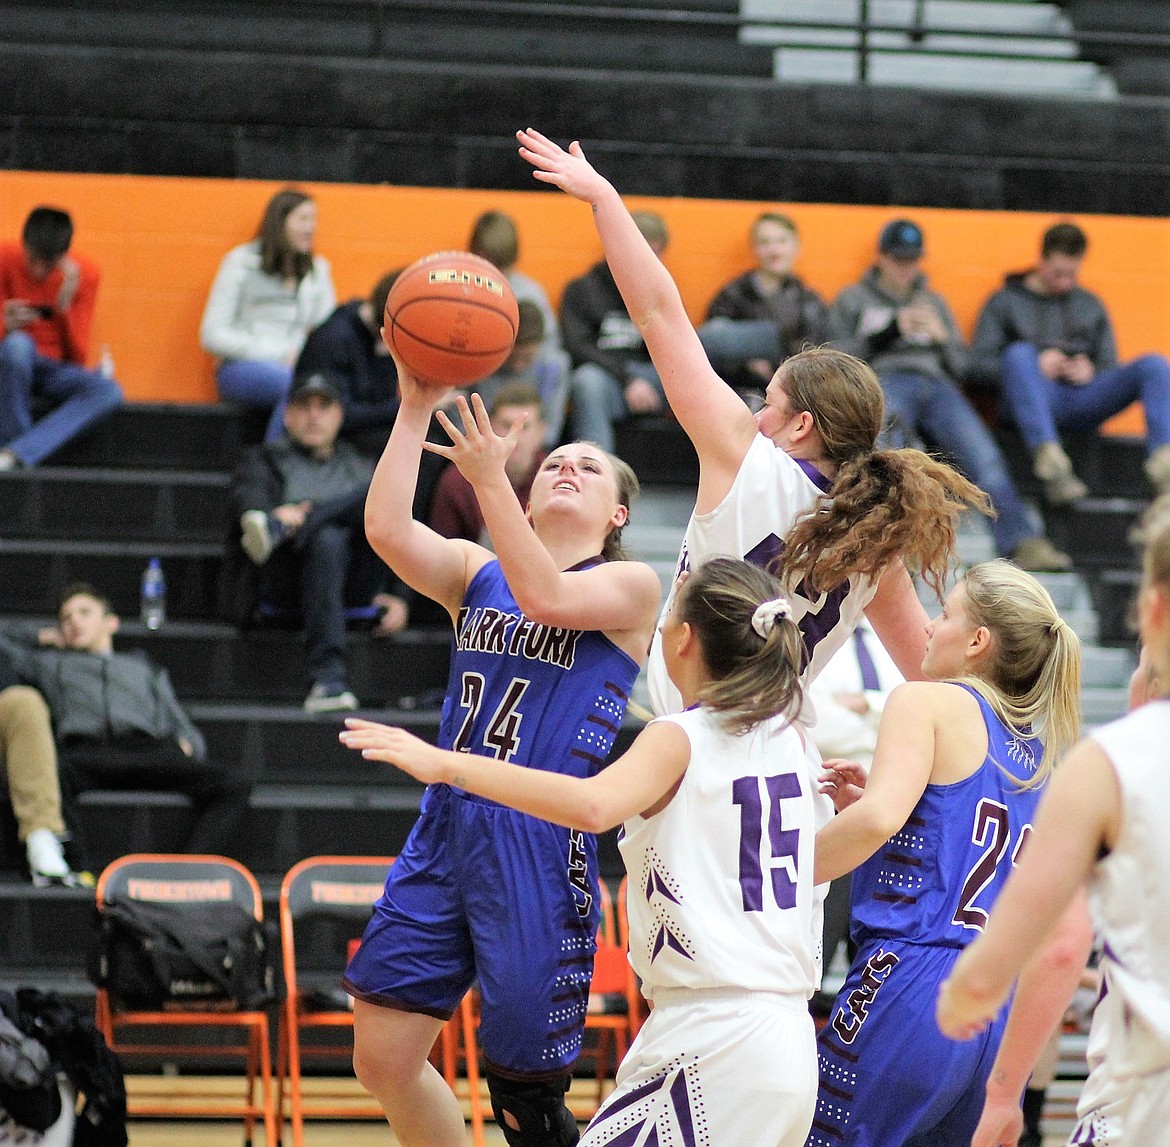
[(883, 504)]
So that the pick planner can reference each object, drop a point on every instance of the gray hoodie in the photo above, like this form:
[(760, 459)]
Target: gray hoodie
[(104, 696), (1076, 323), (863, 322)]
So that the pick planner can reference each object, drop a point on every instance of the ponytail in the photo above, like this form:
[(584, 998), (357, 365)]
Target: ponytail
[(751, 646)]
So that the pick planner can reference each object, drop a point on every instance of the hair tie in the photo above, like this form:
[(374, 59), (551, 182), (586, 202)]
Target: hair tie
[(768, 613), (1055, 627)]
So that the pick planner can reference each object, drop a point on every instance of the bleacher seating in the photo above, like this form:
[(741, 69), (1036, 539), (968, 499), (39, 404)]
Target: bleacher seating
[(428, 93)]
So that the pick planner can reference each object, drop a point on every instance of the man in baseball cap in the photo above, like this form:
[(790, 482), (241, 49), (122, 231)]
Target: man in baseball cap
[(901, 239), (905, 330), (299, 503), (321, 382)]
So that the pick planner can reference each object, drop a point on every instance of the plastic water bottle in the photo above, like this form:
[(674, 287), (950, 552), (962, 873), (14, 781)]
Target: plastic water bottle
[(154, 595)]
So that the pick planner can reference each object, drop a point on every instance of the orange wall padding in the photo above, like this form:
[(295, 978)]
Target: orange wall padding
[(159, 241)]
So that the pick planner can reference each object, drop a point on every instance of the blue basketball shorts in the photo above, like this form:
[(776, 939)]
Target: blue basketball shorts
[(887, 1074), (483, 893)]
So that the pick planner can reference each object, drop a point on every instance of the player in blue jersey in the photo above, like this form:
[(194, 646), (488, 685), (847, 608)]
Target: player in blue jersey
[(960, 762), (1102, 824), (717, 838), (798, 488), (550, 632)]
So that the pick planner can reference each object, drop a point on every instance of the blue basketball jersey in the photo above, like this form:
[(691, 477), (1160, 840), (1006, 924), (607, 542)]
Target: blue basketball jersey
[(935, 880), (480, 890), (888, 1075), (511, 694)]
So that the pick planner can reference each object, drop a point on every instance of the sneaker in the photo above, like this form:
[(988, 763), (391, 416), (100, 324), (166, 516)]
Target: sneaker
[(1039, 555), (330, 698), (1158, 470), (47, 864), (1054, 468), (8, 461), (260, 534)]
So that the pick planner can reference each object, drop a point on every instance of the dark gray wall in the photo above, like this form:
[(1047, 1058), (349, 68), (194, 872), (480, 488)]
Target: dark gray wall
[(371, 91)]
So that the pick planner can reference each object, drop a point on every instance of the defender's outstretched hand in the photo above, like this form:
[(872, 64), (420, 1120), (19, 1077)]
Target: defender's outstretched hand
[(568, 170), (393, 745), (962, 1013)]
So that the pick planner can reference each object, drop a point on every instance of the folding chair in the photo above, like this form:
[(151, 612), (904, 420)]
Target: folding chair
[(192, 881), (325, 905)]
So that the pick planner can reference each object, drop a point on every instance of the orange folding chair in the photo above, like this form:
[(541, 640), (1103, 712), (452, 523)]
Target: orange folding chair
[(192, 882), (325, 905)]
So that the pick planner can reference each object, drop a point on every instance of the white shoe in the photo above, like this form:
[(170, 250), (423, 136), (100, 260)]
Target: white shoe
[(260, 534), (324, 698), (45, 856)]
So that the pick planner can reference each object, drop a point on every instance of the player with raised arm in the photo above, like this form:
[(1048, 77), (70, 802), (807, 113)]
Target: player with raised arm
[(718, 822), (550, 632), (798, 488)]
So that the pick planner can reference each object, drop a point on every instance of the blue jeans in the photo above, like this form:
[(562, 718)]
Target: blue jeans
[(729, 343), (940, 412), (326, 567), (1041, 408), (598, 401), (256, 383), (80, 398)]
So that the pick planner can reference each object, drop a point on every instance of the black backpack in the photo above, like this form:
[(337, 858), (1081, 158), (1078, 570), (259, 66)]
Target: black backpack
[(153, 955), (28, 1076)]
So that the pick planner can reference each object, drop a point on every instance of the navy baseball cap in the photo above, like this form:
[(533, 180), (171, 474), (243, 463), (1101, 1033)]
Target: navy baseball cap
[(901, 239)]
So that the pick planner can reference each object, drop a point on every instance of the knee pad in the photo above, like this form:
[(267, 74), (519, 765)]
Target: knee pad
[(537, 1106)]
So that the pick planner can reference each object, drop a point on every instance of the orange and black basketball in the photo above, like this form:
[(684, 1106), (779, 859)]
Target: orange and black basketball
[(451, 318)]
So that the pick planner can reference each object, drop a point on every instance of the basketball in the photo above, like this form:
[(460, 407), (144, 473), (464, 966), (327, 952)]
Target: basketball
[(451, 318)]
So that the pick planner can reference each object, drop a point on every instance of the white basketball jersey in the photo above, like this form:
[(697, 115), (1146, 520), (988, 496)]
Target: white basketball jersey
[(768, 493), (1130, 890), (720, 880)]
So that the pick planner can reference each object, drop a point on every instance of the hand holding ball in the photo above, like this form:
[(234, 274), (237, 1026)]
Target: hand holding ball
[(451, 318)]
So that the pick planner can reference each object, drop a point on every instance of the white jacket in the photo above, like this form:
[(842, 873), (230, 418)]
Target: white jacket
[(258, 317)]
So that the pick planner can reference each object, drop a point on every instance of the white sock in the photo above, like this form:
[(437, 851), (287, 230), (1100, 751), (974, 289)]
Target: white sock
[(44, 853)]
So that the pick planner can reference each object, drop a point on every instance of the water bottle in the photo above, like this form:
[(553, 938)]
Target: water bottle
[(106, 363), (154, 595)]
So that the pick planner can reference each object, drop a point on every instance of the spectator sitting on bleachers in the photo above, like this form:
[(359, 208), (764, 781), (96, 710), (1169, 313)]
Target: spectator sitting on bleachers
[(348, 347), (455, 511), (298, 508), (47, 296), (494, 237), (267, 296), (28, 759), (119, 725), (766, 314), (1046, 344), (907, 333), (613, 377)]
